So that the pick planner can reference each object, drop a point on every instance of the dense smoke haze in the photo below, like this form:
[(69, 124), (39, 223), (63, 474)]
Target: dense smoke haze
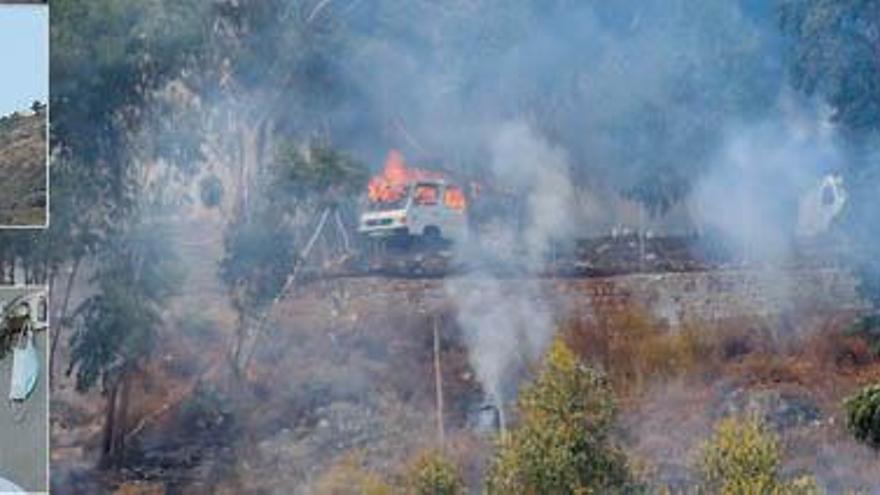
[(212, 162), (650, 100), (625, 90), (758, 176)]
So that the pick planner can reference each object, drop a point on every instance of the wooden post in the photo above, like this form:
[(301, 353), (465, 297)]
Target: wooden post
[(346, 245), (641, 238), (438, 384)]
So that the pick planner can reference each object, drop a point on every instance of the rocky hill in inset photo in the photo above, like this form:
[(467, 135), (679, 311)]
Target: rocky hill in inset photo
[(23, 167)]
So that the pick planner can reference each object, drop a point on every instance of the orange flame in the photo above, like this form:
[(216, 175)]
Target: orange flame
[(391, 185), (455, 198)]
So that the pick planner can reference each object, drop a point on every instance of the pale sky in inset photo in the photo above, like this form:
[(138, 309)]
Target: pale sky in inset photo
[(24, 56)]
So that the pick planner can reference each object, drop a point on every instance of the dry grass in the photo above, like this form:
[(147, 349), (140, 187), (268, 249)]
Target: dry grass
[(638, 351), (672, 382)]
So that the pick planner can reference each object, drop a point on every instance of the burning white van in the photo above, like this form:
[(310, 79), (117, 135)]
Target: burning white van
[(430, 208), (405, 202)]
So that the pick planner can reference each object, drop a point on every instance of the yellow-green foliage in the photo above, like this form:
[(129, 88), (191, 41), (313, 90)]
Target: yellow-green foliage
[(562, 444), (348, 477), (742, 457), (434, 474)]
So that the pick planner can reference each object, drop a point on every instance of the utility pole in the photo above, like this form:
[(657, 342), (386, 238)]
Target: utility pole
[(438, 384)]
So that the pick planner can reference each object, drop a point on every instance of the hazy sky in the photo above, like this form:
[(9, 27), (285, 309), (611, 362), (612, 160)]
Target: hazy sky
[(24, 56)]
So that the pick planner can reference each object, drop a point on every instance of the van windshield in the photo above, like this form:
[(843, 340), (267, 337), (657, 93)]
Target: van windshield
[(426, 194), (395, 204)]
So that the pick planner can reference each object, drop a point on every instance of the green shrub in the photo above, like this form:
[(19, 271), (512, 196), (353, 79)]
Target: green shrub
[(863, 416)]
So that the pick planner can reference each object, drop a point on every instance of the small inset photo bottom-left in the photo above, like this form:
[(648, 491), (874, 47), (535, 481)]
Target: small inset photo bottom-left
[(24, 410), (24, 116)]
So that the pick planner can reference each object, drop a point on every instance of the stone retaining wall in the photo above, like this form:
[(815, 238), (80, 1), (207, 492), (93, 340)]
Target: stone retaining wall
[(707, 296)]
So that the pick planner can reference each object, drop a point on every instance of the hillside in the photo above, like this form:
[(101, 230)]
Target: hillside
[(23, 169), (344, 377)]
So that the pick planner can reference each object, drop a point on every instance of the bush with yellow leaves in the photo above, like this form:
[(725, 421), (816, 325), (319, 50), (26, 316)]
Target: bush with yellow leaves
[(742, 457), (563, 443), (349, 477), (433, 473)]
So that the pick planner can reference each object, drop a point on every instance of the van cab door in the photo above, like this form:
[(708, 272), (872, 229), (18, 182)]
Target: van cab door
[(427, 208)]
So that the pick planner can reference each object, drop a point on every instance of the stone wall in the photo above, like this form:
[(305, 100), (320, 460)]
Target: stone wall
[(708, 296)]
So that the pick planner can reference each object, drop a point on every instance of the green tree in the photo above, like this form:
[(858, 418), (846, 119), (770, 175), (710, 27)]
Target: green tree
[(108, 57), (836, 55), (563, 444), (863, 415), (743, 457), (115, 329), (322, 172), (73, 235), (259, 257), (108, 60), (261, 253)]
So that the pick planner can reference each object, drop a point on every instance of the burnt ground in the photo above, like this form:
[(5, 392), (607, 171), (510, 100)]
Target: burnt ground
[(343, 377), (23, 169)]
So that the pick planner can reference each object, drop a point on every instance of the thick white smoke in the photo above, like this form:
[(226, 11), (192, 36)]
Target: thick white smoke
[(753, 191), (523, 161), (506, 325)]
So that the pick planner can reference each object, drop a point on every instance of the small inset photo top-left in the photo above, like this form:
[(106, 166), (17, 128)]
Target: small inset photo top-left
[(24, 93)]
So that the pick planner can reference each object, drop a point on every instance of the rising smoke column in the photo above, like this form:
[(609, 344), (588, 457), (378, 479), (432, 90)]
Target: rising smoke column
[(509, 324)]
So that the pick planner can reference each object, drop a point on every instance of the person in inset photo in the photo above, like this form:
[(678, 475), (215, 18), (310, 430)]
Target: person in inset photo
[(24, 408)]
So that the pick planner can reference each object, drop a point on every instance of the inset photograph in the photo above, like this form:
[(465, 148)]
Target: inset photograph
[(24, 93), (24, 414)]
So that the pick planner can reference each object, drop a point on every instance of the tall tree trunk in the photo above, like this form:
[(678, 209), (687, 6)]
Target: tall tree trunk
[(249, 162), (116, 420), (235, 354), (57, 326), (109, 426), (121, 422)]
